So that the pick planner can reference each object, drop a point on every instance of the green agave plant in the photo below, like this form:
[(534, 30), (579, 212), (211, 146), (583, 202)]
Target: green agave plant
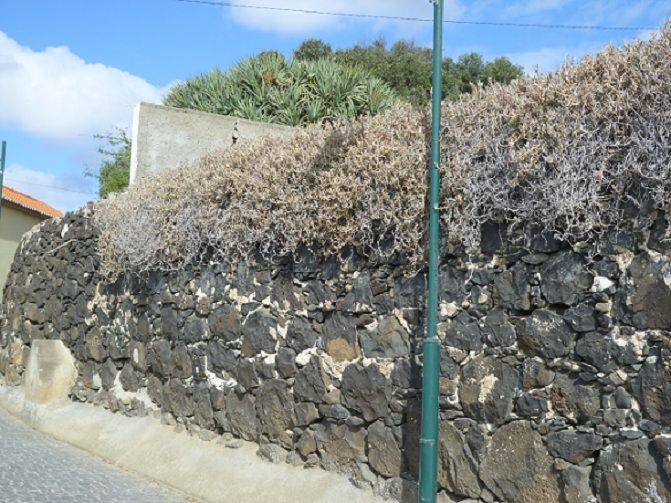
[(271, 88)]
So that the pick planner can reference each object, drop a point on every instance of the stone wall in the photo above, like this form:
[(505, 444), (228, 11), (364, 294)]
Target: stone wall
[(555, 374)]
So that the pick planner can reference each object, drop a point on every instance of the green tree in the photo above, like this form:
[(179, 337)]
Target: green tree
[(114, 172), (312, 50), (270, 88), (500, 70), (406, 67), (469, 70)]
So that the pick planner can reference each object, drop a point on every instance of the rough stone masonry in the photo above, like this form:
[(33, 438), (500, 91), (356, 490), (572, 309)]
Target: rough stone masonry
[(555, 374)]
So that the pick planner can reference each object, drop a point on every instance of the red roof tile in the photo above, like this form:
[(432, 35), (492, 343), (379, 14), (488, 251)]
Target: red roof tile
[(26, 202)]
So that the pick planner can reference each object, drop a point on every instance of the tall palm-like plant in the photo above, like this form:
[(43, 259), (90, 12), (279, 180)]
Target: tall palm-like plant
[(271, 88)]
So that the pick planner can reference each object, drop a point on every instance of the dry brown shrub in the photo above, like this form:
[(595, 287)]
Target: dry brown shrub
[(360, 183), (569, 152)]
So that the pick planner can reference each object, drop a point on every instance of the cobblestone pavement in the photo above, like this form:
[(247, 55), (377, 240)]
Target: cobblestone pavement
[(34, 467)]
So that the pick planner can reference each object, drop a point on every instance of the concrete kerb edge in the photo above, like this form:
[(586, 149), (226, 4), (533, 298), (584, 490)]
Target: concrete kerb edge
[(204, 470)]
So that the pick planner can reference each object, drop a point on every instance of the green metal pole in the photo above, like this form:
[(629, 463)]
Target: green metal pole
[(428, 466), (3, 154)]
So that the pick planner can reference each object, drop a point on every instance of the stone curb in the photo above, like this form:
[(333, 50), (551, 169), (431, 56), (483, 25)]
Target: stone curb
[(205, 470)]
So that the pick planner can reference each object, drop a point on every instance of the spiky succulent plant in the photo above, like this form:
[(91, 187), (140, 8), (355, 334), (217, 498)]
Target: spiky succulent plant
[(270, 88)]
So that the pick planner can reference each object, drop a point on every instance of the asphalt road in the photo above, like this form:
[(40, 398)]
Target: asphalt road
[(37, 468)]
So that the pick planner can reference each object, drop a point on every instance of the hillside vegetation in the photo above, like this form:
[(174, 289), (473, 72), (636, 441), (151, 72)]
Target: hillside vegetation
[(317, 86)]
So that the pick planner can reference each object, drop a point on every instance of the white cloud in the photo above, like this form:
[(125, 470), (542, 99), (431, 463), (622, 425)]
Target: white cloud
[(583, 12), (59, 191), (57, 95), (301, 23), (545, 60), (548, 59), (624, 12), (529, 7)]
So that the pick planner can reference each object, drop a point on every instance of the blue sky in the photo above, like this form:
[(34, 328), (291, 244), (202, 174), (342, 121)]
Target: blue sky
[(74, 68)]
